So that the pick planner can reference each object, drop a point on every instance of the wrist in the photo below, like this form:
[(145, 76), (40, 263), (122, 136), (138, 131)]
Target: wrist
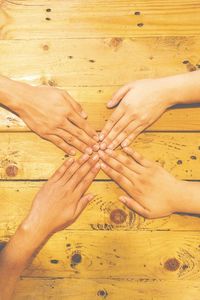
[(186, 198), (18, 252), (172, 88), (11, 93)]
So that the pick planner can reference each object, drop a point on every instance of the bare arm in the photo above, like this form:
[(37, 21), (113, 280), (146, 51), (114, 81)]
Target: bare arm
[(150, 190), (142, 102), (51, 113), (57, 205)]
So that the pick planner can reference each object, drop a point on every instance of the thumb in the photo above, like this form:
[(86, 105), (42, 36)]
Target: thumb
[(83, 202), (79, 109), (118, 95)]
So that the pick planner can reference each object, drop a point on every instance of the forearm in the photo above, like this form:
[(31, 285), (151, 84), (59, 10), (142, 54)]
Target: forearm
[(188, 199), (184, 88), (15, 257)]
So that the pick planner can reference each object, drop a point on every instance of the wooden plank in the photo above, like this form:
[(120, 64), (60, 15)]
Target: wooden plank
[(94, 99), (97, 62), (96, 289), (178, 152), (26, 156), (29, 19), (104, 213), (122, 254)]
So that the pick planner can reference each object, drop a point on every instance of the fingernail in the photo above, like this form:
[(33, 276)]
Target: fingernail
[(83, 114), (103, 146), (110, 103), (88, 150), (90, 197), (96, 138), (84, 157), (109, 151), (96, 147), (122, 199), (101, 153), (111, 147), (97, 166), (72, 152), (124, 144), (101, 137), (96, 157), (70, 160), (103, 165)]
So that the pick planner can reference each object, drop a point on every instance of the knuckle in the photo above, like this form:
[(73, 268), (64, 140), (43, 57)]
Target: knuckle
[(118, 178), (69, 114), (70, 139), (86, 181), (119, 168)]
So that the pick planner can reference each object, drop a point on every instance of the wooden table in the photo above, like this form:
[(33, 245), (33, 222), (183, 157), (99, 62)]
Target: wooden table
[(91, 48)]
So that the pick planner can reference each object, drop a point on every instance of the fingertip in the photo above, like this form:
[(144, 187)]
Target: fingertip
[(101, 137), (72, 152), (103, 146), (70, 160), (110, 104), (125, 144), (83, 114), (89, 197), (103, 166), (98, 165), (96, 147), (88, 150), (123, 199)]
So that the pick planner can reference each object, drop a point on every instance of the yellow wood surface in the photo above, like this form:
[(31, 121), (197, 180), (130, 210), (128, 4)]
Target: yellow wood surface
[(91, 48), (34, 158), (98, 18), (104, 213)]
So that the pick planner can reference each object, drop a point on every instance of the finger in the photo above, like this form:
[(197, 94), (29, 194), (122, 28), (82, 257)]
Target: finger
[(79, 133), (118, 166), (82, 124), (124, 134), (77, 107), (74, 167), (72, 140), (61, 171), (132, 136), (126, 160), (61, 144), (134, 205), (137, 157), (118, 95), (87, 180), (117, 129), (122, 181), (83, 202), (82, 171), (116, 115)]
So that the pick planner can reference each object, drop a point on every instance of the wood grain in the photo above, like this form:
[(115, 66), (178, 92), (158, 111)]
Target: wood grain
[(99, 18), (114, 289), (27, 156), (97, 62), (120, 254), (94, 99), (104, 213)]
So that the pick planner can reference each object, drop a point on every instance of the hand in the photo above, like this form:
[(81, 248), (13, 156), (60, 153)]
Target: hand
[(61, 199), (56, 206), (153, 192), (56, 116), (142, 103)]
